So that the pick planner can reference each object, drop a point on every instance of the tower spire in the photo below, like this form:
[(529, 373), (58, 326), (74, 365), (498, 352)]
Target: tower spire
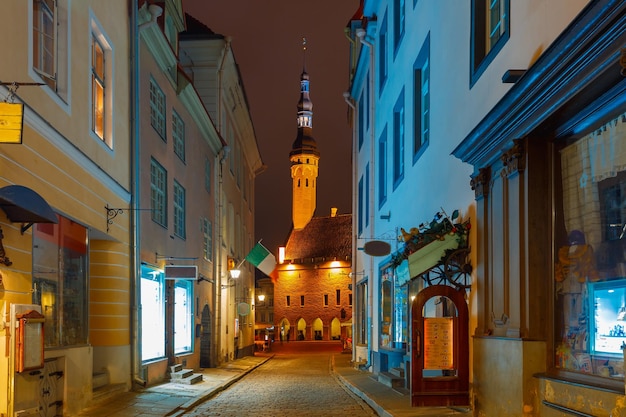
[(304, 156)]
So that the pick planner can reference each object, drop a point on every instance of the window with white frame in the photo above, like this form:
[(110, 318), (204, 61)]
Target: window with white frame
[(367, 194), (179, 210), (421, 99), (361, 118), (490, 31), (158, 193), (97, 88), (178, 135), (207, 239), (382, 54), (50, 44), (157, 109), (398, 140), (183, 316), (101, 84), (382, 168), (152, 313), (360, 207)]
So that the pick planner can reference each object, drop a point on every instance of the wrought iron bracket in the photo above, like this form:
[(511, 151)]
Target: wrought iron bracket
[(112, 213)]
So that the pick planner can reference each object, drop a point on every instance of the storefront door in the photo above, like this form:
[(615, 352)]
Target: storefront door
[(440, 348)]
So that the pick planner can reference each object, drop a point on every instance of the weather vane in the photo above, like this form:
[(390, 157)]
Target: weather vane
[(303, 52)]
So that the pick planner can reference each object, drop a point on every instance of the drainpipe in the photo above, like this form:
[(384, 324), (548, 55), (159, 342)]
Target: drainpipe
[(217, 272), (135, 151), (135, 265), (361, 34)]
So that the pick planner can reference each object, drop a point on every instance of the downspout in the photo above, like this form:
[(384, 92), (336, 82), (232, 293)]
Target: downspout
[(217, 275), (135, 273), (135, 170), (361, 34)]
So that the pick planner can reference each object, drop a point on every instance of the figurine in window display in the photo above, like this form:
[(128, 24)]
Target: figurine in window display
[(576, 260), (575, 265)]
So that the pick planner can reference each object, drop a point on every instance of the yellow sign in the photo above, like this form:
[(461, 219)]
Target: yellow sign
[(11, 119)]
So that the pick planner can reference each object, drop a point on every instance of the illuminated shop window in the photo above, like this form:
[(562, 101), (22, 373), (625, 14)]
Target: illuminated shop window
[(590, 270), (152, 314)]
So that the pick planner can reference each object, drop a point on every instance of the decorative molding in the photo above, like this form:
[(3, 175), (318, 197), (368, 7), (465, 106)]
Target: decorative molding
[(514, 160), (480, 183)]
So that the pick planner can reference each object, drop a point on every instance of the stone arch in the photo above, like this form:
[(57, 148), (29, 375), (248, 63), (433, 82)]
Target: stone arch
[(318, 329), (335, 329), (284, 330), (301, 329)]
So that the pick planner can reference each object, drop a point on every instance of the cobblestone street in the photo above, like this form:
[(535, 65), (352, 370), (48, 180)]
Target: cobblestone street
[(292, 383)]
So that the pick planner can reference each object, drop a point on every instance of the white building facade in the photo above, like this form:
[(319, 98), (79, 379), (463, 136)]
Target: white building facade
[(480, 107)]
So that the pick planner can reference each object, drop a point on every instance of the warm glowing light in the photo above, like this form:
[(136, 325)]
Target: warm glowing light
[(281, 254), (291, 267), (261, 297), (234, 273), (335, 264), (412, 298)]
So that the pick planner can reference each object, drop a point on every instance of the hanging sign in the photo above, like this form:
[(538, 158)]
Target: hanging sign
[(11, 122)]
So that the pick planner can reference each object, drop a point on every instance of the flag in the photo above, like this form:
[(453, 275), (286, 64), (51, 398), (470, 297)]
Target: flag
[(262, 259)]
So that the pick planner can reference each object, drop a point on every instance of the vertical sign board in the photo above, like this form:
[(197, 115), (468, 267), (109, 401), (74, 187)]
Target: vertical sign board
[(11, 119)]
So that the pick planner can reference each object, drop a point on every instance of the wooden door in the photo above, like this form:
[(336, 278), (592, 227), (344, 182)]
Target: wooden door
[(440, 347)]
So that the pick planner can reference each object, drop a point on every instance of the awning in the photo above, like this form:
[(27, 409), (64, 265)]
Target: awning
[(23, 205)]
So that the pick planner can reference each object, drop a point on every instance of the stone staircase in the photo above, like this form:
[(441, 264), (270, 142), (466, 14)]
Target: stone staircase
[(394, 378), (183, 376)]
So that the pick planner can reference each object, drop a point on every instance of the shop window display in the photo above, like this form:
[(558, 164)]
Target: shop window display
[(590, 270)]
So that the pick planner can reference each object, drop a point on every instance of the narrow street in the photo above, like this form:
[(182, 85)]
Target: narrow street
[(297, 381)]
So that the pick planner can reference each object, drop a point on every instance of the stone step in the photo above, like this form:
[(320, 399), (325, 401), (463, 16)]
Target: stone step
[(176, 368), (182, 374), (399, 372), (190, 380), (390, 380)]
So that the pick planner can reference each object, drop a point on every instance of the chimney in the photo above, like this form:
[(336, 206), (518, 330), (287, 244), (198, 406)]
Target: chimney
[(333, 212)]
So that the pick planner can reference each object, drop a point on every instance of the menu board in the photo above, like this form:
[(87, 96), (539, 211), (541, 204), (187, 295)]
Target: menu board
[(438, 346)]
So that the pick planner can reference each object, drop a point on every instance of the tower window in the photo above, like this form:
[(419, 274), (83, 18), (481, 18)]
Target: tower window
[(288, 301)]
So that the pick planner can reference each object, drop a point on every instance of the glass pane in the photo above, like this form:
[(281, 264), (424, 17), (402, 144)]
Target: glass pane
[(182, 316), (439, 320), (152, 314)]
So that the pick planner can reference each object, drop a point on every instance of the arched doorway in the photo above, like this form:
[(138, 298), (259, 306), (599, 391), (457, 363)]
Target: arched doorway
[(205, 338), (318, 329), (301, 334), (284, 330), (440, 347), (335, 329)]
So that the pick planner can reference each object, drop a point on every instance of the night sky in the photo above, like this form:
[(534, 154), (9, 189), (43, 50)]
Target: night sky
[(267, 43)]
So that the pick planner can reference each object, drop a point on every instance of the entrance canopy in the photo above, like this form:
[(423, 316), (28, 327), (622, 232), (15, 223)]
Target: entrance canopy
[(23, 205)]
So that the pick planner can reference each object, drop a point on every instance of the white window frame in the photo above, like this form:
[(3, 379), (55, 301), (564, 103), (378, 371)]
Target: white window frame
[(99, 38), (56, 77), (158, 193), (157, 109), (179, 210), (178, 135)]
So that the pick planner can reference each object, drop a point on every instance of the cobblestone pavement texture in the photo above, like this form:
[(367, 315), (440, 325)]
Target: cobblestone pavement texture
[(291, 385)]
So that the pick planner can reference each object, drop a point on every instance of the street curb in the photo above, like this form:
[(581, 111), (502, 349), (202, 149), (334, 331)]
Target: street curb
[(207, 395)]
